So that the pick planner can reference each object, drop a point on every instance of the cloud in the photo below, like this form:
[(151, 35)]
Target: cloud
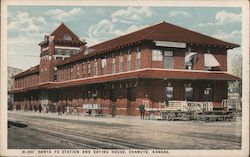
[(131, 14), (62, 15), (223, 17), (106, 29), (23, 22), (23, 51), (179, 13), (226, 36), (206, 24), (103, 27)]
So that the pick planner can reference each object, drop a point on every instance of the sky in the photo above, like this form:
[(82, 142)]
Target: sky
[(27, 25)]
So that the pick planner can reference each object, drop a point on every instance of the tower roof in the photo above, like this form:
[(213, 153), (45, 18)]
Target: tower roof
[(59, 35), (61, 30)]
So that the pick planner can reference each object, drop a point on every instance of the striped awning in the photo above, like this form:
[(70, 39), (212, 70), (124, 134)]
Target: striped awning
[(211, 61)]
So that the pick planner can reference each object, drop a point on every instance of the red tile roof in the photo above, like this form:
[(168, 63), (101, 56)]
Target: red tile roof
[(30, 71), (163, 32)]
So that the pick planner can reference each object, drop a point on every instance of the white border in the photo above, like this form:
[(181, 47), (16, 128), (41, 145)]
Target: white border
[(244, 4)]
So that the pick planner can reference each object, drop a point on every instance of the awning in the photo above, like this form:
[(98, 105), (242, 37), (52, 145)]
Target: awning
[(211, 61), (189, 56)]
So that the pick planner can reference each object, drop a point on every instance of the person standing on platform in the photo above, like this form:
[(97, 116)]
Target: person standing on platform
[(142, 110), (59, 109), (40, 108), (113, 110)]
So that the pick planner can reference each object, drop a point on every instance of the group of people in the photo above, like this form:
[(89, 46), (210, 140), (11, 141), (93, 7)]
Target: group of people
[(65, 109), (30, 108)]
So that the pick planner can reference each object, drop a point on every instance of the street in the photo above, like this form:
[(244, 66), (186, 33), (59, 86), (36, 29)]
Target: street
[(29, 130)]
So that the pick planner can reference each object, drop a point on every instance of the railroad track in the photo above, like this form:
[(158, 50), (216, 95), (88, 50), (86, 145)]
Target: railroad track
[(45, 135), (117, 143), (86, 139)]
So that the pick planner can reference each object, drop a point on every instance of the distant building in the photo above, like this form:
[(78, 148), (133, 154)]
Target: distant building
[(11, 72), (157, 64)]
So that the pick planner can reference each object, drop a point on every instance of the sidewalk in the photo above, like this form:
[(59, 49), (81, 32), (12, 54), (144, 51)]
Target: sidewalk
[(104, 118)]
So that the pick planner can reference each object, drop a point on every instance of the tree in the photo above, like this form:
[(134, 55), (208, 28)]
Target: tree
[(236, 68)]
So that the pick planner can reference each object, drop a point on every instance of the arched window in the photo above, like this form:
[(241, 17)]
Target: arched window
[(67, 37)]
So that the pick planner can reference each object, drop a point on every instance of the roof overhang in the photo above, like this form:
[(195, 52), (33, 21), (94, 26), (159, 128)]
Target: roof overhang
[(149, 73)]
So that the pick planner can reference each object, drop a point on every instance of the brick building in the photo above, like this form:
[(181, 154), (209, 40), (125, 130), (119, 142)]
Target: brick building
[(156, 64), (11, 72)]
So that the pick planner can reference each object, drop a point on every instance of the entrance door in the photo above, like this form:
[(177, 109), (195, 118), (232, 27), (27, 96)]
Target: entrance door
[(168, 94), (208, 94), (44, 100), (130, 97)]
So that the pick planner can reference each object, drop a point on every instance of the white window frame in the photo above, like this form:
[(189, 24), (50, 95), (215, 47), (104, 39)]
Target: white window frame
[(95, 68), (157, 55), (166, 55), (138, 58), (113, 64), (121, 63)]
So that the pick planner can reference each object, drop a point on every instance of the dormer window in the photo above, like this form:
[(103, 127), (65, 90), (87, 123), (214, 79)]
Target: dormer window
[(67, 37)]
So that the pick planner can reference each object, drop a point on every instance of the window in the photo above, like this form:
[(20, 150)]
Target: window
[(67, 37), (66, 73), (104, 66), (75, 51), (188, 92), (210, 62), (168, 59), (89, 70), (138, 58), (67, 52), (190, 59), (71, 72), (58, 51), (83, 70), (77, 70), (208, 93), (129, 61), (62, 74), (169, 91), (120, 62), (157, 55), (113, 63), (95, 68)]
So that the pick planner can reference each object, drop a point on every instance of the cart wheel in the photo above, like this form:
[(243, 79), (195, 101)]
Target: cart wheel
[(171, 116), (232, 117), (211, 119), (185, 117)]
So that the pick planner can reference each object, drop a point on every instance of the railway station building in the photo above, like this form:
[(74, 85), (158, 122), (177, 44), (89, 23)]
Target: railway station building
[(157, 65)]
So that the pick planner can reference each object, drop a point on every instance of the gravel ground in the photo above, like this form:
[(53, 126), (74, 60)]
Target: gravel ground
[(48, 130)]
